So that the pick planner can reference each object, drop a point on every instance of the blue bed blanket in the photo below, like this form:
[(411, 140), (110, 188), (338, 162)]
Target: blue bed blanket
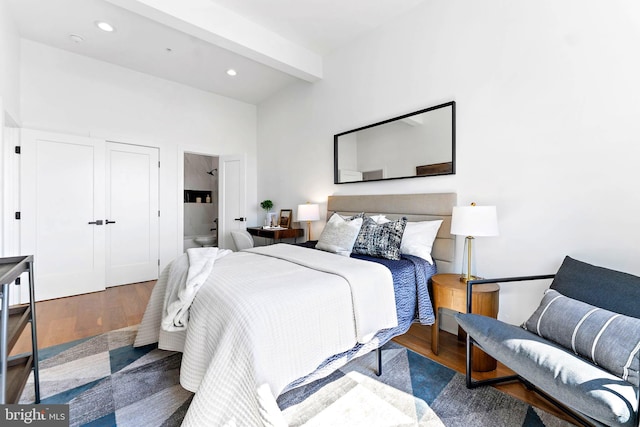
[(413, 304), (411, 276)]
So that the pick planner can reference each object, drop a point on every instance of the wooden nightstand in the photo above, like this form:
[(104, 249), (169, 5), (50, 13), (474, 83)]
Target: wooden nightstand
[(449, 292), (276, 234)]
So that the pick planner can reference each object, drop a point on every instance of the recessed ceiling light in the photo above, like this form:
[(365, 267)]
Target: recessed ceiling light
[(232, 72), (76, 38), (105, 26)]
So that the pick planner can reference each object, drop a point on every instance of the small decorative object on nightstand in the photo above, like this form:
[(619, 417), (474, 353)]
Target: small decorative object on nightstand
[(449, 292), (266, 205), (284, 220)]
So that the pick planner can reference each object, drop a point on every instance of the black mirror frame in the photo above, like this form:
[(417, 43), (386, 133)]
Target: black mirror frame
[(452, 104)]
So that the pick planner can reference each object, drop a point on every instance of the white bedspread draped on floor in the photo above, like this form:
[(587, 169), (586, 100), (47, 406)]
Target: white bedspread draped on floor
[(263, 319)]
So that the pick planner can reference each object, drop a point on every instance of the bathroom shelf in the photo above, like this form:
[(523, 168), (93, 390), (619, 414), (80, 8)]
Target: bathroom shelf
[(191, 195)]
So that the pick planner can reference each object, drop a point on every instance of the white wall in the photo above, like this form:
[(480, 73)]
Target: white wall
[(9, 106), (65, 92), (548, 108), (9, 62)]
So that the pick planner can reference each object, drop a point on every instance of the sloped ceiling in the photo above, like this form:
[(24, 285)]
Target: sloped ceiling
[(269, 43)]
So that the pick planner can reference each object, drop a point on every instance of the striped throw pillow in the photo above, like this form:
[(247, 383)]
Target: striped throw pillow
[(607, 339)]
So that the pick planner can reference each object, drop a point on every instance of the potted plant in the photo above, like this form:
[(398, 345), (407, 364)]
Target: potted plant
[(267, 205)]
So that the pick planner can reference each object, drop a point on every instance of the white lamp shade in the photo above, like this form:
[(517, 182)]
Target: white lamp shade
[(308, 212), (474, 221)]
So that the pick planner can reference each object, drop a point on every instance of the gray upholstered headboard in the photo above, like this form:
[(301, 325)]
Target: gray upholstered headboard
[(416, 207)]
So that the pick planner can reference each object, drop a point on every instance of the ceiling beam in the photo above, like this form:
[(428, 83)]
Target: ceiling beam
[(212, 23)]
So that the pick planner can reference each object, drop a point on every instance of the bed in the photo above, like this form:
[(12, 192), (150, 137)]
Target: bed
[(295, 315)]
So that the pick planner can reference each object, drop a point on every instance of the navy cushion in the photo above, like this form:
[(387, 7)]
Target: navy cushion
[(573, 381), (602, 287)]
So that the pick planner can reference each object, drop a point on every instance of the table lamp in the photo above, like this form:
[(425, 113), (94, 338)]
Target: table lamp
[(308, 212), (473, 221)]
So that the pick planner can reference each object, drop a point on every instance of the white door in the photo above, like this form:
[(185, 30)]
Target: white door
[(11, 231), (131, 221), (232, 199), (62, 209)]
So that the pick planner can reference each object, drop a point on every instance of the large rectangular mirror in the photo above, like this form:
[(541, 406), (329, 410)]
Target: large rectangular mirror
[(418, 144)]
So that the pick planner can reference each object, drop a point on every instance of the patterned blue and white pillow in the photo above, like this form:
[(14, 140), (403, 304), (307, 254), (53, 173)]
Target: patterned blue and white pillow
[(380, 240), (418, 237), (607, 339)]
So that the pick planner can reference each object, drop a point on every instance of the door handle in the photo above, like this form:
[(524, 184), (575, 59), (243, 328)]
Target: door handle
[(110, 222), (240, 219), (98, 222)]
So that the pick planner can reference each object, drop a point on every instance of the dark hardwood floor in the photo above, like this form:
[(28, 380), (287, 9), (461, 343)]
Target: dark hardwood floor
[(67, 319)]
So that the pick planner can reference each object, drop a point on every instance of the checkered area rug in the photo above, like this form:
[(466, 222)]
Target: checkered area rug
[(107, 382)]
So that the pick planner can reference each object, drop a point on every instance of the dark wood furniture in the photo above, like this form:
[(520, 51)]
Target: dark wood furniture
[(449, 292), (276, 234), (435, 169), (14, 371)]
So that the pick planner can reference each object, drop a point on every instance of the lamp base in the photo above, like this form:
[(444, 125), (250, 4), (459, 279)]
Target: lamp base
[(465, 276)]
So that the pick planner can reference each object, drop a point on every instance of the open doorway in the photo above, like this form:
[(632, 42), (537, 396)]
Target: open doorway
[(201, 200)]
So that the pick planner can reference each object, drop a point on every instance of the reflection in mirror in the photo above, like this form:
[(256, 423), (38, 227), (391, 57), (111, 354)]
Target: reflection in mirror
[(413, 145)]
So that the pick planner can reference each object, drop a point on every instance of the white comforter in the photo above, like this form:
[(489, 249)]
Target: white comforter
[(263, 319), (178, 298)]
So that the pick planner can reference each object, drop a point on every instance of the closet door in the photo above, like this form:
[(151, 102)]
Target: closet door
[(132, 213), (62, 212)]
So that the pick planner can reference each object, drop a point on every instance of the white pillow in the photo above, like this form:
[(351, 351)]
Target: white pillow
[(349, 217), (339, 235), (380, 219), (418, 238)]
